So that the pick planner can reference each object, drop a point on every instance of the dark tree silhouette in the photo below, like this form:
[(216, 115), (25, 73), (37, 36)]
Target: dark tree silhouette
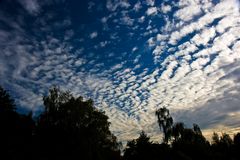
[(189, 142), (236, 139), (165, 122), (7, 104), (177, 130), (72, 128), (222, 146), (197, 129), (136, 148), (143, 149), (16, 130), (236, 146), (215, 138), (8, 123), (226, 139)]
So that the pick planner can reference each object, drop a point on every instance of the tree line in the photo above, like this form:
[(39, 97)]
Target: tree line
[(72, 128), (182, 143)]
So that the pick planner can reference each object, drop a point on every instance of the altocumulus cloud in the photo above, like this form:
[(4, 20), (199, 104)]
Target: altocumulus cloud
[(186, 57), (195, 54)]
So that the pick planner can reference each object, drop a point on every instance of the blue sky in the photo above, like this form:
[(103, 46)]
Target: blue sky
[(130, 57)]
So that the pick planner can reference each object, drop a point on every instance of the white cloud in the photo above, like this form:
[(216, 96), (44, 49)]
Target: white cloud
[(137, 6), (151, 42), (157, 52), (93, 35), (104, 19), (204, 37), (187, 13), (161, 37), (166, 8), (224, 8), (152, 11), (126, 20), (103, 44), (141, 19), (113, 5), (134, 49), (150, 2)]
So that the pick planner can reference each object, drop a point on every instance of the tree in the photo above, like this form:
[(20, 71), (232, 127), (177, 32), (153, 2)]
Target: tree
[(197, 129), (236, 147), (6, 102), (226, 140), (165, 122), (16, 130), (143, 148), (236, 139), (215, 138), (8, 123), (189, 142), (177, 130), (222, 146), (70, 127)]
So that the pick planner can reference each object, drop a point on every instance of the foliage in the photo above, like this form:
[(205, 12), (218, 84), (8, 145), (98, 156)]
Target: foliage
[(16, 130), (72, 126), (177, 130), (6, 102), (165, 122), (143, 148)]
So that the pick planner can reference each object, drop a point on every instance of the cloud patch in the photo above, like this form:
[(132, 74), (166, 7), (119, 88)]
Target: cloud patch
[(152, 11), (93, 35), (31, 6)]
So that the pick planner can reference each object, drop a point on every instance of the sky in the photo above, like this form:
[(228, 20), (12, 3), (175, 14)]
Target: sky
[(130, 56)]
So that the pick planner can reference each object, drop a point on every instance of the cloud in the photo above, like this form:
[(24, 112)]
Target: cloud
[(166, 8), (134, 49), (183, 14), (152, 11), (141, 19), (222, 115), (104, 43), (31, 6), (204, 37), (93, 35), (150, 2), (151, 42), (190, 80), (104, 19), (126, 20), (113, 5), (224, 8), (137, 6)]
